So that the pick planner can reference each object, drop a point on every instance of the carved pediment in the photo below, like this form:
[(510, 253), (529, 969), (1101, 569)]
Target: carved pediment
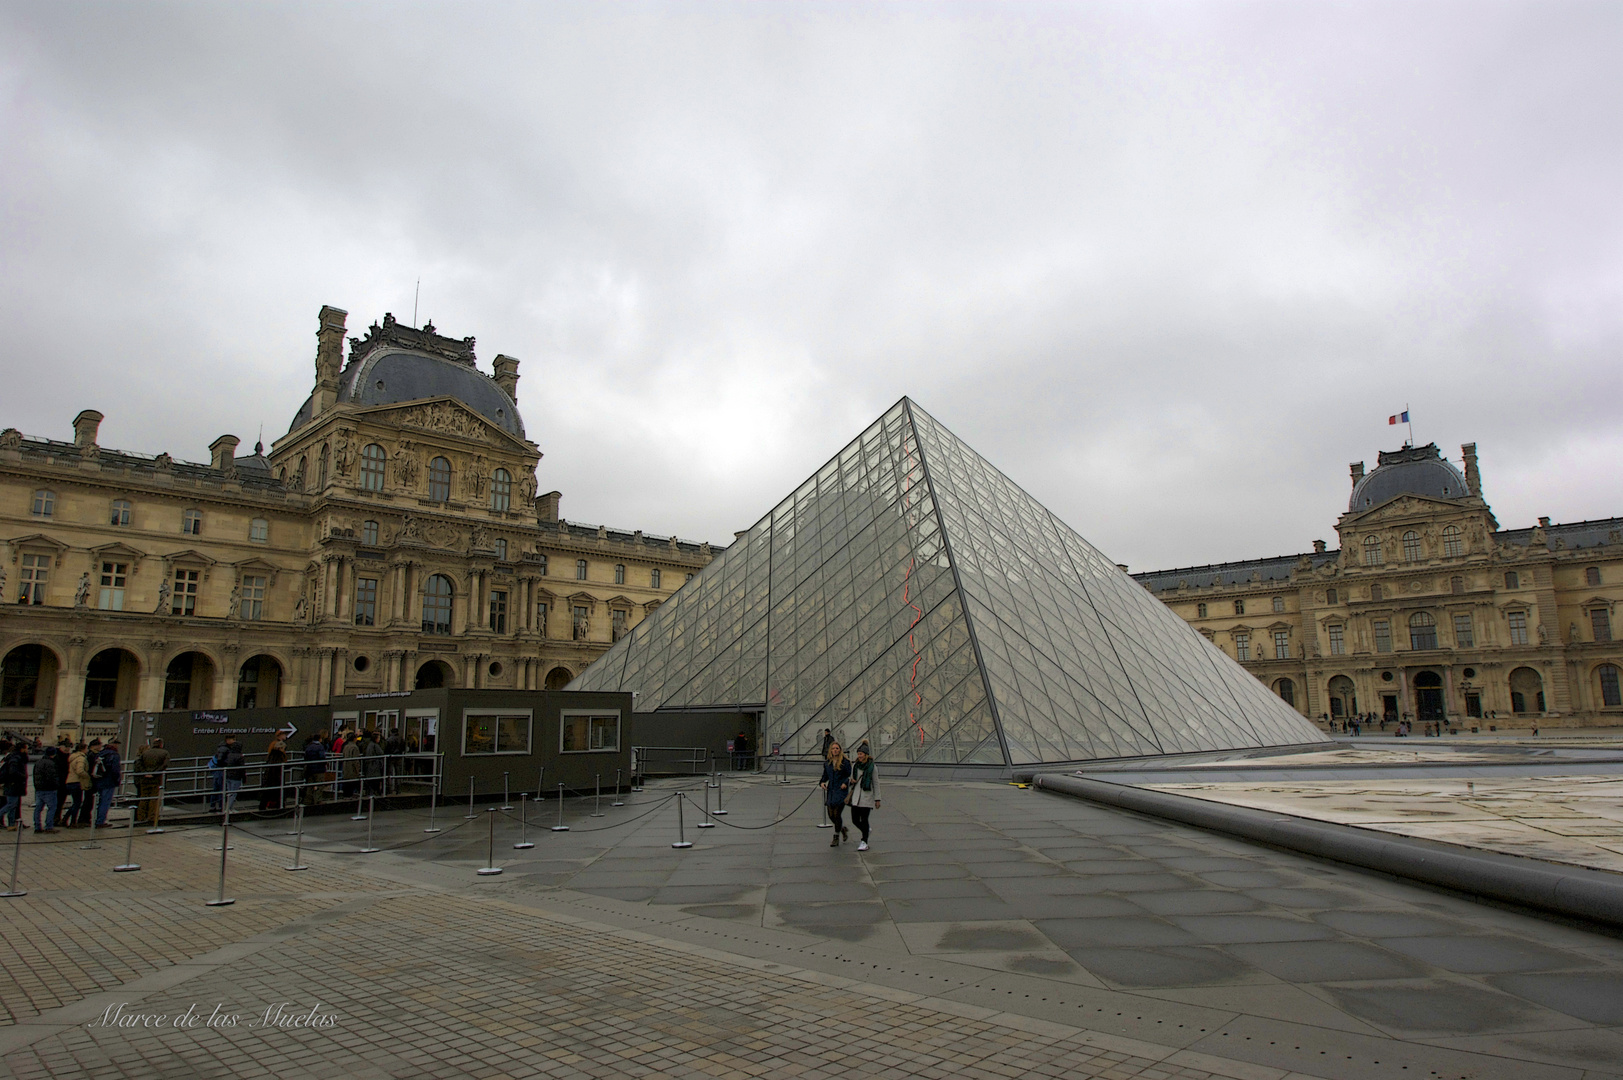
[(189, 555), (621, 602), (37, 541), (584, 598), (257, 565), (443, 416), (118, 550)]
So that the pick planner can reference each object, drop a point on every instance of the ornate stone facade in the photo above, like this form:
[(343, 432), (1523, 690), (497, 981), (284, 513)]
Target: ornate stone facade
[(393, 538), (1428, 611)]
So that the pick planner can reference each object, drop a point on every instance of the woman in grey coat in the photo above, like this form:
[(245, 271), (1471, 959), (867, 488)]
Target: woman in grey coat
[(864, 794)]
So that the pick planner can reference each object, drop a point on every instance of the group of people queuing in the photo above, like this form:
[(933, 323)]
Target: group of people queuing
[(849, 782), (73, 783), (359, 760)]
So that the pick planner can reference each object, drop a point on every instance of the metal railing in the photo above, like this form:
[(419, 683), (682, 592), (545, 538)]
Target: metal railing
[(196, 785), (670, 761)]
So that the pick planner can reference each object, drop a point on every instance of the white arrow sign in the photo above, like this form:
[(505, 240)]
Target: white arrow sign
[(287, 732)]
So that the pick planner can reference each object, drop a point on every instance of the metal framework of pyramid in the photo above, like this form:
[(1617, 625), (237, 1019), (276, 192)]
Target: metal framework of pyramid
[(912, 595)]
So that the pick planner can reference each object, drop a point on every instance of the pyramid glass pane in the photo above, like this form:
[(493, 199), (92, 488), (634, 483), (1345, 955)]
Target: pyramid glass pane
[(910, 594)]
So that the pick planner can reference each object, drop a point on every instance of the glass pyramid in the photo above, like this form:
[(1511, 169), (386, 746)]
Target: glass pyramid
[(912, 595)]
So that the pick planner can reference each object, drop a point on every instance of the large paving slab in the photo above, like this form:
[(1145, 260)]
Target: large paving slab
[(990, 931)]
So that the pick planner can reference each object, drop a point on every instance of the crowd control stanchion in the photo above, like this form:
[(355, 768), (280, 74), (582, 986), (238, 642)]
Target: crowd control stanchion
[(470, 814), (707, 823), (560, 827), (298, 801), (298, 839), (433, 797), (360, 798), (129, 862), (597, 800), (783, 770), (157, 809), (682, 840), (225, 846), (719, 811), (17, 857), (490, 866), (371, 805), (507, 803), (92, 844), (712, 780), (524, 840), (617, 800)]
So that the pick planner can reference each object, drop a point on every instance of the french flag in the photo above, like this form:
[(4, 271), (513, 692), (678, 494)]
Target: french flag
[(1400, 418)]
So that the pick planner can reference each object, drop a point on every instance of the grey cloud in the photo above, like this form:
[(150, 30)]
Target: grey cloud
[(1169, 266)]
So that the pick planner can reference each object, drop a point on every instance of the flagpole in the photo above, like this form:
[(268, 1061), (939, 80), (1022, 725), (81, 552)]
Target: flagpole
[(1406, 415)]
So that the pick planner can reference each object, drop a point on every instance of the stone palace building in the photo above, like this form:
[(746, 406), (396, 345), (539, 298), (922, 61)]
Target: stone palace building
[(393, 539), (1428, 611)]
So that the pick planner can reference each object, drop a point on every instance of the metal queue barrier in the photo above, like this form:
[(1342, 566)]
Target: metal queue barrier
[(192, 786)]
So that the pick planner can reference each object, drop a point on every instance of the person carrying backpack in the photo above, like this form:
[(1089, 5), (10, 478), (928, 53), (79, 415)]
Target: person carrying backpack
[(106, 774), (47, 785), (13, 782), (233, 769), (315, 767)]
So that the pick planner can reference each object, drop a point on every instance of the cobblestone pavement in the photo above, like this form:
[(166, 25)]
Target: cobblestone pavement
[(991, 932)]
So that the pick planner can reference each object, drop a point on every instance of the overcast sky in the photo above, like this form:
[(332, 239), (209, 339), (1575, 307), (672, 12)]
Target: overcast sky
[(1168, 266)]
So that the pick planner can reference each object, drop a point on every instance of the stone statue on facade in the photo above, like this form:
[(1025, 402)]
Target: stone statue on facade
[(526, 488), (81, 595), (11, 439), (343, 453), (405, 465), (164, 591), (235, 602)]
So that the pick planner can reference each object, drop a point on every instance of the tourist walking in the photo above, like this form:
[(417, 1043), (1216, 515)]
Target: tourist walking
[(350, 755), (106, 774), (374, 757), (13, 781), (828, 741), (836, 783), (150, 765), (864, 796), (315, 766), (233, 769), (76, 793), (47, 787), (270, 777), (395, 749)]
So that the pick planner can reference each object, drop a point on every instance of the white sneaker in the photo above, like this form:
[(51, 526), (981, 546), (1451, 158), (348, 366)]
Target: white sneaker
[(863, 846)]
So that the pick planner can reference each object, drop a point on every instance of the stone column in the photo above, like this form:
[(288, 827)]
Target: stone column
[(340, 670), (346, 577), (149, 693), (225, 687), (68, 704), (324, 677), (471, 672)]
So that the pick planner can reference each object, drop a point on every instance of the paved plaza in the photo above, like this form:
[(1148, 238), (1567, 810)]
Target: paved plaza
[(991, 931)]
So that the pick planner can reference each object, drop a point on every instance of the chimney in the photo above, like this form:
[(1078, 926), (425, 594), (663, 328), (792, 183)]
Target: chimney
[(1544, 523), (223, 453), (546, 506), (329, 358), (507, 376), (1473, 478), (1319, 547), (1357, 472), (85, 426)]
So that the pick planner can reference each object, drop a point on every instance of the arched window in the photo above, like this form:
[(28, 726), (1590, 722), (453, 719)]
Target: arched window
[(1411, 546), (1372, 551), (1343, 698), (501, 548), (1526, 691), (1512, 580), (44, 503), (1200, 609), (1286, 691), (1591, 575), (1422, 631), (121, 512), (1611, 696), (373, 460), (1453, 547), (653, 580), (191, 523), (437, 594), (369, 533), (439, 480), (501, 490)]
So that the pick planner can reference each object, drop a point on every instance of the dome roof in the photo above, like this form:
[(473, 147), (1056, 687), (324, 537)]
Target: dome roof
[(397, 363), (1414, 470)]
